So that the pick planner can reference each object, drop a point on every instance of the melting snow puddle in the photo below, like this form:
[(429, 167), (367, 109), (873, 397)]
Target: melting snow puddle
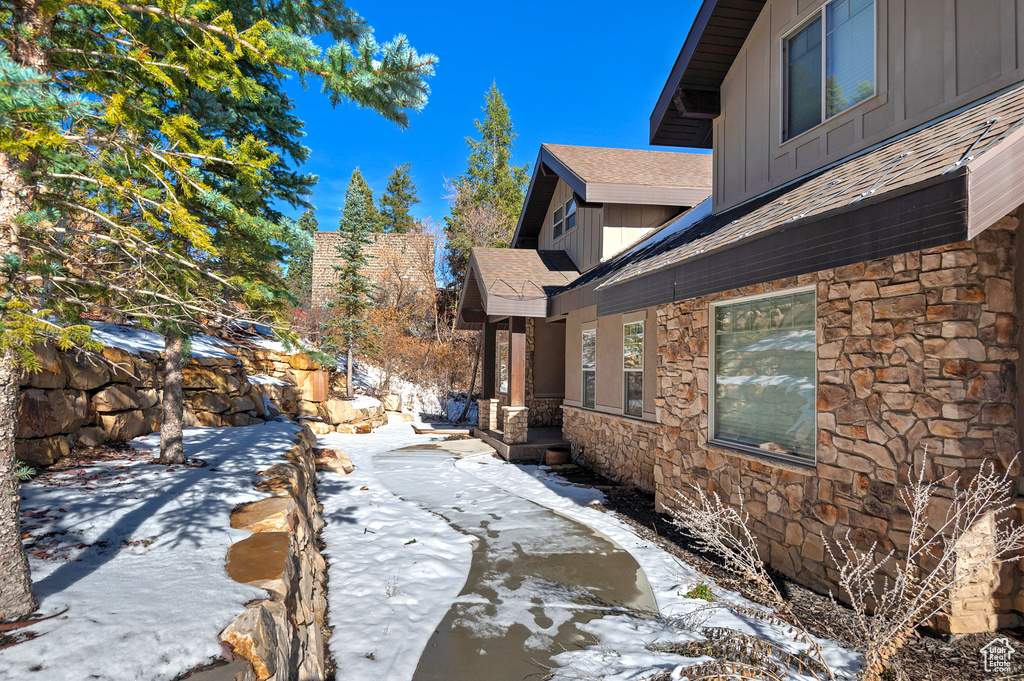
[(535, 574)]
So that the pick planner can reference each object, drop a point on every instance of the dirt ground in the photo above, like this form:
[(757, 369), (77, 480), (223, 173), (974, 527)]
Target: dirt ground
[(931, 657)]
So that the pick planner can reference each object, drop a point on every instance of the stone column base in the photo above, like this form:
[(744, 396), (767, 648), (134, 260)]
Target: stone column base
[(517, 420), (487, 414)]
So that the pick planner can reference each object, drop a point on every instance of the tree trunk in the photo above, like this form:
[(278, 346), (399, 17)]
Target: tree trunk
[(16, 597), (16, 197), (348, 362), (171, 449), (472, 381)]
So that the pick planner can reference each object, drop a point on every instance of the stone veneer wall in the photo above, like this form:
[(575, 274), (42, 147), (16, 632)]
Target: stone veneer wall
[(915, 351), (409, 257), (280, 638), (620, 447)]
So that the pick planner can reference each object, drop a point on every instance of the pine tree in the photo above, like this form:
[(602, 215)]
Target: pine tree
[(399, 197), (359, 203), (352, 289), (300, 259), (494, 179), (491, 191), (138, 159)]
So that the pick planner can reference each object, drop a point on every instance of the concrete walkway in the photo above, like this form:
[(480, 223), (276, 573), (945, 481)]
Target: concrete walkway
[(500, 613)]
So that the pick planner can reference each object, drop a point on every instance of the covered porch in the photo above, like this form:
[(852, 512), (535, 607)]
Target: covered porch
[(505, 296)]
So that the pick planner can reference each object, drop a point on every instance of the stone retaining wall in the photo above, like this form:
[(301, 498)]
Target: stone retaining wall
[(917, 351), (281, 637), (620, 447), (85, 398)]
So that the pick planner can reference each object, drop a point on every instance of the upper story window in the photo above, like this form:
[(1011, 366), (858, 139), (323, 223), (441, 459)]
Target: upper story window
[(763, 375), (589, 368), (564, 217), (820, 83), (633, 367)]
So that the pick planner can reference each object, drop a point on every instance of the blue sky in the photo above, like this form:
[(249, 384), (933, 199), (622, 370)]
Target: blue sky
[(571, 73)]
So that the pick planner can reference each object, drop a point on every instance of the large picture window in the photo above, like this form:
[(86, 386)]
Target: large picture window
[(633, 368), (829, 64), (589, 366), (764, 375), (503, 368)]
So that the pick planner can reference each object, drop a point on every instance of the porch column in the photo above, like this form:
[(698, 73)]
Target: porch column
[(489, 360), (517, 361)]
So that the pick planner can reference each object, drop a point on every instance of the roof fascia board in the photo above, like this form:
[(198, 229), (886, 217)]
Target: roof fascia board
[(929, 214), (995, 180), (700, 24), (471, 271), (564, 172), (529, 196), (650, 195)]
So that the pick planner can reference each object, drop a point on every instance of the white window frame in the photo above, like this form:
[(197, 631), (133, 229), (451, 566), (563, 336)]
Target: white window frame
[(784, 71), (558, 228), (713, 370), (584, 370), (625, 371)]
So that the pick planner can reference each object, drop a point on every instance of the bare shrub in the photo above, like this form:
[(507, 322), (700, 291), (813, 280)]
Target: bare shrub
[(890, 593)]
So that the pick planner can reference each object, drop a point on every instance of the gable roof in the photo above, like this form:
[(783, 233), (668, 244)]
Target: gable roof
[(690, 99), (602, 175), (503, 282), (941, 183)]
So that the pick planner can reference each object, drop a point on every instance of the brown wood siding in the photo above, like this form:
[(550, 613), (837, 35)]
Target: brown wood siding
[(933, 57)]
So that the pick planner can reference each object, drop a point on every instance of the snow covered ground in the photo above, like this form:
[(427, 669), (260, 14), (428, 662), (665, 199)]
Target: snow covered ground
[(136, 340), (394, 568), (395, 592), (135, 552)]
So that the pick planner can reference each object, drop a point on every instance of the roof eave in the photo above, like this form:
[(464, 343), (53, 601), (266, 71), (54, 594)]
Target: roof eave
[(690, 99)]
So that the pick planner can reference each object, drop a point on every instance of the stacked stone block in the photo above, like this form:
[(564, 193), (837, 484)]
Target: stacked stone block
[(487, 414), (408, 257), (621, 448), (280, 638), (87, 399), (516, 429)]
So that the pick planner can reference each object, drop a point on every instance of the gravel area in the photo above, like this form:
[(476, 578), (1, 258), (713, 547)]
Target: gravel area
[(931, 657)]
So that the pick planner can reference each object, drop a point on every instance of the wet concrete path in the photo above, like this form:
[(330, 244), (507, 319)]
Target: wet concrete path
[(535, 575)]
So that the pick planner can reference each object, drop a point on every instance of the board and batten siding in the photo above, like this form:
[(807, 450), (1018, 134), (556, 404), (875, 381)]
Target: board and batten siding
[(600, 233), (932, 57), (582, 242), (625, 223), (610, 388)]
